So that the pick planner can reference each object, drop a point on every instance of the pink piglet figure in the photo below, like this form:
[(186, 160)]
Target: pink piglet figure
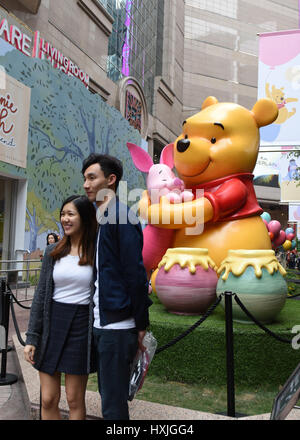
[(161, 181)]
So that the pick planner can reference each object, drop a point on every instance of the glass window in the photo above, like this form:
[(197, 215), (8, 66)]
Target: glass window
[(135, 45), (228, 8)]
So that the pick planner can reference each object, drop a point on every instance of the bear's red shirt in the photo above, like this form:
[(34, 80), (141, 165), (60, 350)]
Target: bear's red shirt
[(232, 197)]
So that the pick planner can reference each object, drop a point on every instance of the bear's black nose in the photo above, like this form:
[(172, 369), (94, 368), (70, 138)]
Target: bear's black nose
[(183, 145)]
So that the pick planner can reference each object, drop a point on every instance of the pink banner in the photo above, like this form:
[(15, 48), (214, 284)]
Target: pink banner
[(276, 48)]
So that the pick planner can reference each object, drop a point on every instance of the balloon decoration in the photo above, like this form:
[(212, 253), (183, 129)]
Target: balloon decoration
[(279, 238), (286, 48)]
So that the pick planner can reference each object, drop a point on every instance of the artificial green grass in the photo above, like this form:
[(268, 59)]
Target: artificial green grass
[(200, 358), (192, 373), (208, 398)]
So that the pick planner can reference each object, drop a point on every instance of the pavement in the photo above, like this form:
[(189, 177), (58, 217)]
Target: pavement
[(20, 401), (14, 400)]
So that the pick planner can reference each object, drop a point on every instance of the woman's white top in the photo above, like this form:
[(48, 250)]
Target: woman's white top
[(72, 283)]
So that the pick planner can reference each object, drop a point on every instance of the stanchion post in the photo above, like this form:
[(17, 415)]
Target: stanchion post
[(2, 292), (2, 311), (5, 379), (229, 355)]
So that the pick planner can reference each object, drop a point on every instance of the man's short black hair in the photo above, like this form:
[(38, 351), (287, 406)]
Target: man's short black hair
[(108, 164)]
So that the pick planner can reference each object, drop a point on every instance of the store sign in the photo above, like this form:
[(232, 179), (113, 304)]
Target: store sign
[(133, 111), (284, 164), (14, 121), (294, 213), (43, 50), (37, 47)]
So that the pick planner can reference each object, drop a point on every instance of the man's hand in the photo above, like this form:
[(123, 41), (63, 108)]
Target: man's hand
[(141, 335)]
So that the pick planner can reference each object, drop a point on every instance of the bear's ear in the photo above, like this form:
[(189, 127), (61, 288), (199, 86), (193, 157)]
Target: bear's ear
[(210, 100), (265, 112)]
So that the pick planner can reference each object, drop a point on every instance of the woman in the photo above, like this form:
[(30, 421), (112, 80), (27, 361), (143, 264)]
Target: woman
[(52, 238), (60, 325)]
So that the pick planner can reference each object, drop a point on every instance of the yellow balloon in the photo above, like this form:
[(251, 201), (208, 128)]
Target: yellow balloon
[(287, 245)]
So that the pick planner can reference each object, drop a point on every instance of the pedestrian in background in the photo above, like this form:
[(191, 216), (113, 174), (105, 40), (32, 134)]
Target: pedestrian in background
[(52, 238)]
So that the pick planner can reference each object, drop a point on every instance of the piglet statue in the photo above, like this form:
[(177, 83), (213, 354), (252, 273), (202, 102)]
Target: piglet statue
[(161, 181)]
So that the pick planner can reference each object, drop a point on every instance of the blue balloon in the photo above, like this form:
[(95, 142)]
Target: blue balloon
[(293, 244), (270, 132), (266, 216), (289, 231)]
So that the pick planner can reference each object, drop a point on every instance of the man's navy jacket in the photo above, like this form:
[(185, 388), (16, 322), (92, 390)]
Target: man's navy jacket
[(122, 279)]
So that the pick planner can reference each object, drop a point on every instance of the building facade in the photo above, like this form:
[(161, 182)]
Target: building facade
[(221, 59), (154, 61), (221, 47), (178, 51)]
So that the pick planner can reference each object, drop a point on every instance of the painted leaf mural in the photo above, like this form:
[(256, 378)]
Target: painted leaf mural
[(66, 124)]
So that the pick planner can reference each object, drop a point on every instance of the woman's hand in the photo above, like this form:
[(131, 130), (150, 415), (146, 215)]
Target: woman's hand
[(29, 351)]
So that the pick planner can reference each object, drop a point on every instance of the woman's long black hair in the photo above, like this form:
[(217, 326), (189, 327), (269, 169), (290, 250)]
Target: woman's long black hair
[(87, 215)]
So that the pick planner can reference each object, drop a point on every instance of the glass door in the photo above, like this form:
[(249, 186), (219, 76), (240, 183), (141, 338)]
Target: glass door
[(7, 220)]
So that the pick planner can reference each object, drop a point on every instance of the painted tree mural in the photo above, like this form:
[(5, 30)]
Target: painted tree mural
[(67, 123)]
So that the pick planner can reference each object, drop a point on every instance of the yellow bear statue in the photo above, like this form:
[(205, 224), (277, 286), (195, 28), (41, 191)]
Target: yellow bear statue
[(215, 156)]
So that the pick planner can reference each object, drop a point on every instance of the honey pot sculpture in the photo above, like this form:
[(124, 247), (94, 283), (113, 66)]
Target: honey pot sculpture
[(215, 156), (256, 277)]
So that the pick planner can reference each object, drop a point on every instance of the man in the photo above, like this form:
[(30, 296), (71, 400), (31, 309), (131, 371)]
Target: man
[(121, 290)]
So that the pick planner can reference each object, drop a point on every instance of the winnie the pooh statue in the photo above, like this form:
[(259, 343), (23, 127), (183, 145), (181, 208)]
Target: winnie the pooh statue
[(215, 156)]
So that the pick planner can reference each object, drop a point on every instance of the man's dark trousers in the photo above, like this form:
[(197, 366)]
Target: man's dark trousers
[(115, 351)]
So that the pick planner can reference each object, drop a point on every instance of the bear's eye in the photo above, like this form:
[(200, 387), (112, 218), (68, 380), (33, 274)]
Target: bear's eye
[(213, 140), (186, 136)]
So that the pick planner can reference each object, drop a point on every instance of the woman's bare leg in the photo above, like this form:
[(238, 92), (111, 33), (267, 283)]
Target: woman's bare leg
[(50, 389), (75, 390)]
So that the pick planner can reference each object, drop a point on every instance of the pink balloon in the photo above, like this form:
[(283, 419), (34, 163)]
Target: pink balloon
[(279, 47), (280, 239), (290, 237), (274, 226)]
